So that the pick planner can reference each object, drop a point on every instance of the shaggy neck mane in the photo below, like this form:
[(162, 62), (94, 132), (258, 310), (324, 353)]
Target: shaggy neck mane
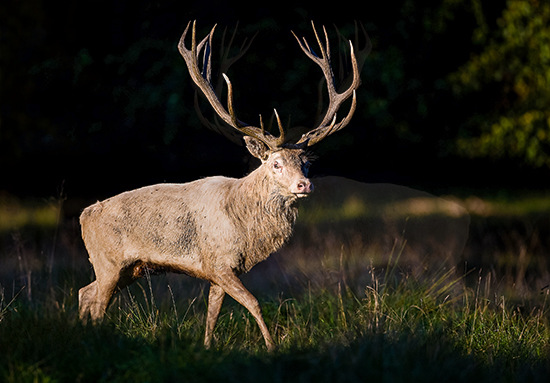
[(264, 215)]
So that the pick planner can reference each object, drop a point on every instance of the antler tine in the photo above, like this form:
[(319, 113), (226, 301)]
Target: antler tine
[(281, 139), (328, 125), (234, 120), (202, 78), (228, 61), (207, 56), (232, 135), (324, 60), (361, 52)]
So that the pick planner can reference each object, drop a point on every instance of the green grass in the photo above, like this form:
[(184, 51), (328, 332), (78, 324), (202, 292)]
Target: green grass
[(335, 314), (397, 329), (16, 214)]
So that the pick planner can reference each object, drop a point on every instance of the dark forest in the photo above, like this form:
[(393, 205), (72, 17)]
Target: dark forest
[(95, 98)]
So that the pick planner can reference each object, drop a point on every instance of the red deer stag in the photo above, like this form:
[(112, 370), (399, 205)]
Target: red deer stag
[(215, 228)]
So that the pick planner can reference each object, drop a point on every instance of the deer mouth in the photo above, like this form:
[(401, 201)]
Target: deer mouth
[(303, 194)]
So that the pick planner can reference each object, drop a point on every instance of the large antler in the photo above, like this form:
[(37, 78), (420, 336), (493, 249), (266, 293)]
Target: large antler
[(201, 73), (202, 78), (329, 124)]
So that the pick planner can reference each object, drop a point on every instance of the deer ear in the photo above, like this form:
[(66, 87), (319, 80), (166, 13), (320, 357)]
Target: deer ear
[(257, 148)]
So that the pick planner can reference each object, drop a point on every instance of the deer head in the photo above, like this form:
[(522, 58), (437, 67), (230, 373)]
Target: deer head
[(286, 167)]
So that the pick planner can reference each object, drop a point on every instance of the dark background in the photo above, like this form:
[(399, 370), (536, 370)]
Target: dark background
[(95, 98)]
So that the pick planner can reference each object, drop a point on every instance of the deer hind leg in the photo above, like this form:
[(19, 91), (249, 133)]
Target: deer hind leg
[(215, 300), (94, 298), (233, 286), (86, 300)]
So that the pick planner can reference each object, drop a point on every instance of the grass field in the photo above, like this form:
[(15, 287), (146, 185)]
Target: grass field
[(379, 284)]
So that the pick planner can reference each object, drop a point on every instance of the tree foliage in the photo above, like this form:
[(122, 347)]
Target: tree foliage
[(510, 78)]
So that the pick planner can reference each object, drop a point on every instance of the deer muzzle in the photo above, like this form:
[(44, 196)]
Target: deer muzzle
[(303, 188)]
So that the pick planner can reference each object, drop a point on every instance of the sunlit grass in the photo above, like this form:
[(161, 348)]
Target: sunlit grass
[(397, 322), (16, 214), (355, 319), (520, 205)]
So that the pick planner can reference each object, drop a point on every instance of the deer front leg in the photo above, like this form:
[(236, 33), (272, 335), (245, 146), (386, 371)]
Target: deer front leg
[(215, 300), (233, 286)]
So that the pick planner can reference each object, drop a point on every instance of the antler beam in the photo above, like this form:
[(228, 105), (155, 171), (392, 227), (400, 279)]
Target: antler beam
[(329, 125), (202, 78)]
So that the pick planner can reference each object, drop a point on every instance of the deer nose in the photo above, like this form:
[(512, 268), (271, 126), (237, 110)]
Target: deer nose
[(304, 186)]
